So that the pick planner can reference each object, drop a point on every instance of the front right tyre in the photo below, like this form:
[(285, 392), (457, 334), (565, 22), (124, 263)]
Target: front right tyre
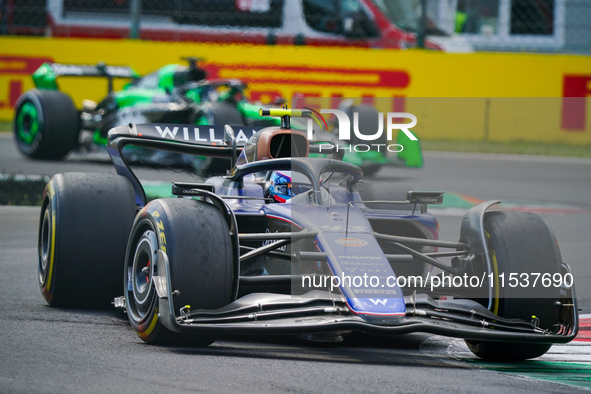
[(520, 243)]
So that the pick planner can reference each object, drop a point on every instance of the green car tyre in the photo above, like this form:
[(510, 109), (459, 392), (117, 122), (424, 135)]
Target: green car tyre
[(46, 124)]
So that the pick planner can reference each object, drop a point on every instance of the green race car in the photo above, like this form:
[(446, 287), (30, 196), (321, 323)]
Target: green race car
[(47, 125)]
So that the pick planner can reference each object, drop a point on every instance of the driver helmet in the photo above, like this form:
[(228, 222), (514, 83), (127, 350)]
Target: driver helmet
[(287, 184)]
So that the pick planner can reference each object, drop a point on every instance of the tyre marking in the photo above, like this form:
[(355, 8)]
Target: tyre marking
[(493, 256), (160, 230), (50, 189), (151, 326), (52, 249), (162, 236)]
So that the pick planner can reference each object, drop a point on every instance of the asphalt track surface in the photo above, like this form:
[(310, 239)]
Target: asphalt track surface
[(45, 349)]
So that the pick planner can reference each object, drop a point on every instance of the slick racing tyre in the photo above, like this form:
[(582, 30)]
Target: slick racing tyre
[(46, 124), (195, 237), (520, 242), (219, 113), (83, 229)]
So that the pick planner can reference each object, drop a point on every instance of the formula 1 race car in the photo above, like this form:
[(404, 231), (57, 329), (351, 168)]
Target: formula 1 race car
[(337, 255), (48, 126)]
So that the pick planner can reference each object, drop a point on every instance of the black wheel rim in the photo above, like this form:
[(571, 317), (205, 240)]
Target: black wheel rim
[(45, 246), (140, 288)]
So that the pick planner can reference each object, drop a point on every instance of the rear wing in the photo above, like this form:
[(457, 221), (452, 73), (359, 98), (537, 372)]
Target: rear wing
[(222, 141), (45, 77), (205, 140)]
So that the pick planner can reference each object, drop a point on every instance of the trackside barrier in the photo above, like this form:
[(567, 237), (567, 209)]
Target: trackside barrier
[(477, 96)]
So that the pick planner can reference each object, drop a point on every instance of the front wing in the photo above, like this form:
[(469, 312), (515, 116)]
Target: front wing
[(318, 311)]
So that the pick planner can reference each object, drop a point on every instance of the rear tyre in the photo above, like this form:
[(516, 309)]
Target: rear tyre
[(520, 242), (83, 230), (46, 124), (196, 239)]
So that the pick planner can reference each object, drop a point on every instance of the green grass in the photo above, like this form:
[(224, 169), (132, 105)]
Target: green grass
[(5, 126), (519, 147)]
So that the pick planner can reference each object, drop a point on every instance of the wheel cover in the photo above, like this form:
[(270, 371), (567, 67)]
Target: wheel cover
[(140, 292), (27, 123)]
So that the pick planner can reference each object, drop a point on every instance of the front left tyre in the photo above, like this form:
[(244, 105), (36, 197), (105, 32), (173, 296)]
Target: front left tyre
[(196, 239), (83, 229)]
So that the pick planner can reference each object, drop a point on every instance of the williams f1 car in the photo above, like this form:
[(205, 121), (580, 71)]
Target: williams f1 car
[(333, 255)]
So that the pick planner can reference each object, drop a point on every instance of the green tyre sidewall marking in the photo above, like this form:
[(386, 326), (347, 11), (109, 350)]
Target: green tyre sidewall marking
[(28, 145), (27, 134)]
